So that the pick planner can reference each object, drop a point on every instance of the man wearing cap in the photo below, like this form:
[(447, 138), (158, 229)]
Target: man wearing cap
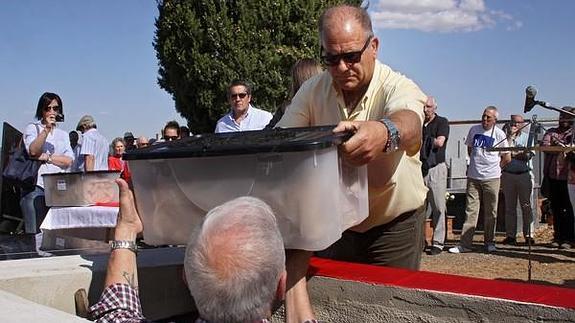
[(129, 139), (94, 145)]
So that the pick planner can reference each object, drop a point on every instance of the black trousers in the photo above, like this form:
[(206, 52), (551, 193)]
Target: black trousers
[(398, 243), (562, 211)]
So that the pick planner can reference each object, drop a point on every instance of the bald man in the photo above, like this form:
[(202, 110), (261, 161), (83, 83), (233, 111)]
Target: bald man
[(435, 134), (384, 110)]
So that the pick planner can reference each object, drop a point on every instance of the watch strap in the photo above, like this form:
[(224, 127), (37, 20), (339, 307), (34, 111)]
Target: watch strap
[(124, 244), (393, 138)]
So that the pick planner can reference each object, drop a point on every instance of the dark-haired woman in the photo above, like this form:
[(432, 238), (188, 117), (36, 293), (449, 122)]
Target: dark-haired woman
[(44, 142)]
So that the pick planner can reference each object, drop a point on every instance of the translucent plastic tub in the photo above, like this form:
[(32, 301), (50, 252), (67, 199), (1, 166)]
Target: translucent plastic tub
[(296, 171), (81, 189)]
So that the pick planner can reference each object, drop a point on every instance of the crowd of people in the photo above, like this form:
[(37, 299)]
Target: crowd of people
[(82, 150), (397, 133)]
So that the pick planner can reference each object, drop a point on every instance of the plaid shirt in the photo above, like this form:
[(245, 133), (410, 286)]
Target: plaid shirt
[(120, 303)]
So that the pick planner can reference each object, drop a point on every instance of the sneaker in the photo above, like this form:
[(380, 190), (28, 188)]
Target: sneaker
[(435, 251), (509, 241), (459, 249), (565, 245), (490, 247)]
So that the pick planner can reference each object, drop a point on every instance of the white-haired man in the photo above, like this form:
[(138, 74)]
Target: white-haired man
[(483, 179), (435, 135), (234, 264)]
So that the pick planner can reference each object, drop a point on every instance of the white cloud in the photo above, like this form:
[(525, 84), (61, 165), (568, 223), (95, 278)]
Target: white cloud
[(438, 15)]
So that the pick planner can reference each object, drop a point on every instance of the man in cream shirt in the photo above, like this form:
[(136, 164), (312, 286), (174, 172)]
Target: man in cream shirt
[(384, 110)]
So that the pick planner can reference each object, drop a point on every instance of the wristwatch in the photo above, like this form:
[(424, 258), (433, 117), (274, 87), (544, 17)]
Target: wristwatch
[(393, 136), (124, 244)]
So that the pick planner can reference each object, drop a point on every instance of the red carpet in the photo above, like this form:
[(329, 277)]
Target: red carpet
[(521, 292)]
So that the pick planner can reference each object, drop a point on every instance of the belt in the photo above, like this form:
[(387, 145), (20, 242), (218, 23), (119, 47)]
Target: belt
[(516, 173)]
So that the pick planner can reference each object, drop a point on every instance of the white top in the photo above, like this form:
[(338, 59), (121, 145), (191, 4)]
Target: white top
[(484, 164), (256, 119), (57, 143), (93, 143)]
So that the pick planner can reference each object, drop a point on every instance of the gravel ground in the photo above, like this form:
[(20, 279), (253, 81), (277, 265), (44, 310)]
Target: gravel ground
[(549, 266)]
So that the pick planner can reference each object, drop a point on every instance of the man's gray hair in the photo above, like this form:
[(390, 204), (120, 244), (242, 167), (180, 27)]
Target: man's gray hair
[(494, 109), (234, 262)]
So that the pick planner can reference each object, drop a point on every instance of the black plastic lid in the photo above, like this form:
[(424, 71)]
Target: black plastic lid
[(241, 143)]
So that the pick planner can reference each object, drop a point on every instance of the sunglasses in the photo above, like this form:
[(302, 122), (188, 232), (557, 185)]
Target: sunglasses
[(55, 109), (236, 95), (348, 58), (170, 138)]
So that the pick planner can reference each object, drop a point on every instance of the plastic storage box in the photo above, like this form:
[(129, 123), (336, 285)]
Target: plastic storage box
[(81, 189), (296, 171)]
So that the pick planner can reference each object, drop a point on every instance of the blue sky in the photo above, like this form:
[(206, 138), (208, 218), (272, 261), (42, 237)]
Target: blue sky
[(98, 55)]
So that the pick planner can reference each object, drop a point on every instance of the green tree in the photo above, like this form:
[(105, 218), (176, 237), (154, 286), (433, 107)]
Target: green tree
[(202, 45)]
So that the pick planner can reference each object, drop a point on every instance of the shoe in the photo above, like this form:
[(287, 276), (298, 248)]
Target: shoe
[(509, 241), (490, 247), (555, 244), (529, 241), (459, 249), (434, 251), (565, 245)]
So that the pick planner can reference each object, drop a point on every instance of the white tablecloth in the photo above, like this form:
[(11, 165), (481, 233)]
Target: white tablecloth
[(80, 217)]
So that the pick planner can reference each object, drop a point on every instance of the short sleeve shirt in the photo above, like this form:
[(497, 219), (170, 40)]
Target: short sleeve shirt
[(57, 143), (395, 180), (438, 127), (93, 143), (485, 164)]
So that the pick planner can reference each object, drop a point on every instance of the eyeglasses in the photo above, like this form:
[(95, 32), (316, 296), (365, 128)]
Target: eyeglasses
[(55, 109), (348, 58), (242, 95), (485, 116), (170, 138)]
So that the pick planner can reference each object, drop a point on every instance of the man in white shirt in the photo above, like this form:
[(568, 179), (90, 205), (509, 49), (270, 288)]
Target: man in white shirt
[(95, 147), (243, 116), (483, 179)]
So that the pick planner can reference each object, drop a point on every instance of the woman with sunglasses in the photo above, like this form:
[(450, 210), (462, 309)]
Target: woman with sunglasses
[(51, 145)]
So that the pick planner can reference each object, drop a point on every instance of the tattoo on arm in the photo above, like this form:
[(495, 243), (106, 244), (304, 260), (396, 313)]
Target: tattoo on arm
[(130, 279)]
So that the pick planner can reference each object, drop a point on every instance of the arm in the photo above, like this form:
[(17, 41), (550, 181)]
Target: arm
[(36, 146), (370, 137), (297, 303), (122, 277), (505, 159), (122, 264), (442, 133), (439, 142), (61, 161), (89, 162)]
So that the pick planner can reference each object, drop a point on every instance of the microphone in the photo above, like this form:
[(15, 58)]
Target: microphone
[(530, 93)]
